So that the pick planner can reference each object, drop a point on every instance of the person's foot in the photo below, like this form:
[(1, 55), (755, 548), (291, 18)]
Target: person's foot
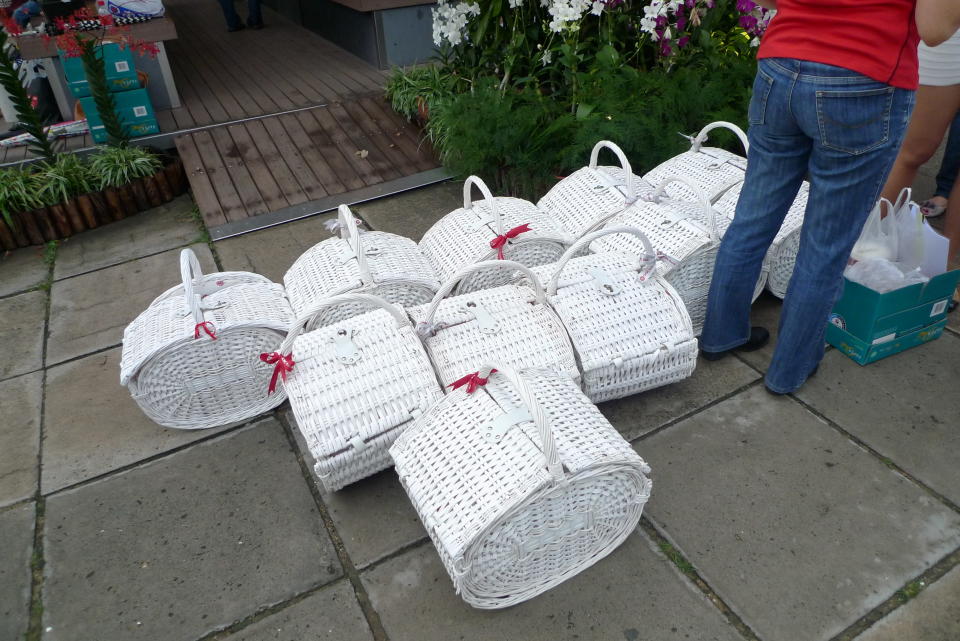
[(759, 337), (933, 207), (809, 376), (239, 27)]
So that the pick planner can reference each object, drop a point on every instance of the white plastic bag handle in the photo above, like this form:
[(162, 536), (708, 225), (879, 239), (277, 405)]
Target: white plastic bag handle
[(645, 263), (448, 286), (720, 124), (191, 273), (624, 163), (334, 301), (468, 184), (707, 208), (540, 419)]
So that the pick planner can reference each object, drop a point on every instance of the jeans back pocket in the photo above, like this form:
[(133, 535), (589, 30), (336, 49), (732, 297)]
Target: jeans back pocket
[(854, 121), (762, 85)]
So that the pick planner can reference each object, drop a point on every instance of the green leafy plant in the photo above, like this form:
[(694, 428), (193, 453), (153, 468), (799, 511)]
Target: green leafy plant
[(417, 91), (18, 192), (29, 119), (64, 178), (117, 166)]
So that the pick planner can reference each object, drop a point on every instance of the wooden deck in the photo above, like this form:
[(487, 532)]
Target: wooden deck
[(275, 118)]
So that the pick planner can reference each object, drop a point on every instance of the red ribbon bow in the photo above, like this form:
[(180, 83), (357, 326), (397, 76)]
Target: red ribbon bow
[(472, 381), (207, 327), (501, 240), (283, 364)]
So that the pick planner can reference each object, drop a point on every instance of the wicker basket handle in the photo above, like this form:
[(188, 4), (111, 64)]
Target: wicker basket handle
[(701, 137), (540, 418), (190, 273), (448, 286), (334, 301), (468, 184), (646, 262), (351, 234), (707, 207), (624, 163)]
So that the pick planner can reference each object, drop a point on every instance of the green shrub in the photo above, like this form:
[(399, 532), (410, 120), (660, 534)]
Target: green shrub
[(117, 166), (18, 192), (59, 181)]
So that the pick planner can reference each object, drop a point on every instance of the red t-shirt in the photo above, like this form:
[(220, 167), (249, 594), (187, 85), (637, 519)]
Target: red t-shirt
[(877, 38)]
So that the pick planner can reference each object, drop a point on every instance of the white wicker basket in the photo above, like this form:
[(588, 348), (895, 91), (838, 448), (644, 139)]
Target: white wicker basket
[(373, 262), (354, 386), (191, 359), (685, 235), (520, 484), (593, 192), (711, 169), (511, 324), (491, 228), (629, 327), (782, 255)]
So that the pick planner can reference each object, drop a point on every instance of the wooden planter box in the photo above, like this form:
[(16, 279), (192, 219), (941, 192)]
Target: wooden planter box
[(94, 209)]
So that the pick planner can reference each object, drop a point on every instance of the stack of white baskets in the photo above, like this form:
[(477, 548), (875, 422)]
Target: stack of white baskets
[(472, 359)]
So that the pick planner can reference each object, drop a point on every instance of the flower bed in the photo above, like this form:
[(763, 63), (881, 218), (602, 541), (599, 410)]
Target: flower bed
[(32, 215)]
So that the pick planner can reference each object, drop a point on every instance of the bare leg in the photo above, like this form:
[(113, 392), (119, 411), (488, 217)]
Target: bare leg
[(936, 107)]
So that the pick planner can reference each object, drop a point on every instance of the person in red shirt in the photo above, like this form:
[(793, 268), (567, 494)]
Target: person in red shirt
[(831, 100)]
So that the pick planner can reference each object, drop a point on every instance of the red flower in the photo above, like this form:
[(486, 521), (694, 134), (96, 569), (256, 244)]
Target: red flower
[(106, 20), (11, 26)]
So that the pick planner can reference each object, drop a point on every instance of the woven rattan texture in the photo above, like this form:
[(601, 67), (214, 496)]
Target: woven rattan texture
[(677, 229), (711, 169), (350, 413), (630, 335), (191, 383), (782, 255), (396, 271), (525, 334), (587, 195), (505, 528), (463, 237)]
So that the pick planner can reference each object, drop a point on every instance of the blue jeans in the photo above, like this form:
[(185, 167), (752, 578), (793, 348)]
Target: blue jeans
[(950, 166), (844, 130), (233, 20)]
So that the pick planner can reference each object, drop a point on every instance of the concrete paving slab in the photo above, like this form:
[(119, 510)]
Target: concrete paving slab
[(330, 614), (21, 269), (16, 532), (149, 232), (934, 615), (92, 426), (360, 510), (20, 437), (270, 252), (412, 213), (89, 312), (899, 406), (634, 594), (22, 324), (795, 527), (186, 545), (640, 414)]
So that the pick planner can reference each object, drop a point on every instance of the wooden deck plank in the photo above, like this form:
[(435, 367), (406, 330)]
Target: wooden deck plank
[(166, 120), (352, 150), (295, 159), (270, 192), (312, 154), (333, 157), (395, 127), (203, 191), (275, 161), (239, 175), (219, 177), (364, 138)]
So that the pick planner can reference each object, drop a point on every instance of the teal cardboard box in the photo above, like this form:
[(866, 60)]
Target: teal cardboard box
[(867, 326), (118, 63), (135, 112)]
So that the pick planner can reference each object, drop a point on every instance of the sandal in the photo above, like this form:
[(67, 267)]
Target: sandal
[(931, 209)]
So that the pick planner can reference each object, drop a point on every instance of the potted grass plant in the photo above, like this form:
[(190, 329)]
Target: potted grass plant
[(118, 169)]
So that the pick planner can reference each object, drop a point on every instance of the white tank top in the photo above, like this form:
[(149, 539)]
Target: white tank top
[(940, 65)]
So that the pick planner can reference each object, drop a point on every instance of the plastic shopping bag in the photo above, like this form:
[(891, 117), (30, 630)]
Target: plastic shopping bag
[(879, 236), (134, 8), (910, 236)]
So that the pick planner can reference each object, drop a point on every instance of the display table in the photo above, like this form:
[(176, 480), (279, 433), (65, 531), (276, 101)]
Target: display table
[(163, 94)]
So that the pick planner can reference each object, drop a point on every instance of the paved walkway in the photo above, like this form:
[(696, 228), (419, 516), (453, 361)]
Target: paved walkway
[(831, 514)]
